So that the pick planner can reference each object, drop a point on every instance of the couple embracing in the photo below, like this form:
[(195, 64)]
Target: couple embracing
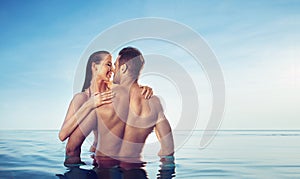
[(121, 114)]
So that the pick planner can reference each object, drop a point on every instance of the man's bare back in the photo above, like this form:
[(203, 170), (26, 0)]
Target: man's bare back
[(144, 116), (111, 119), (125, 124), (141, 120)]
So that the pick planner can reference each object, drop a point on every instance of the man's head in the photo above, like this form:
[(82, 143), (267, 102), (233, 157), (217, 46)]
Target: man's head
[(128, 64)]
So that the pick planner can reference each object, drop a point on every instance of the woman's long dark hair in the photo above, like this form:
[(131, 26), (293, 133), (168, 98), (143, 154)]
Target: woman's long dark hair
[(96, 57)]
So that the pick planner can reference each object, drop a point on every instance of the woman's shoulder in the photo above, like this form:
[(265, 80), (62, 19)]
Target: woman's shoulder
[(80, 96)]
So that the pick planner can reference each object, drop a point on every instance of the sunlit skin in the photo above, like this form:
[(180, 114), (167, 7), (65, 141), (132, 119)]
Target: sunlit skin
[(81, 110), (125, 124)]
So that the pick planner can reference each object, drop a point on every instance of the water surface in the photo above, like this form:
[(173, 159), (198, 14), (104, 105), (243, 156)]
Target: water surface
[(232, 154)]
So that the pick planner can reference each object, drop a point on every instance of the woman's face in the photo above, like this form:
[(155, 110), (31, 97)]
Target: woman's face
[(104, 69)]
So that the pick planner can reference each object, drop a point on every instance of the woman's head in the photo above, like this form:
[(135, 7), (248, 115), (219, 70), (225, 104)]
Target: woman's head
[(95, 66)]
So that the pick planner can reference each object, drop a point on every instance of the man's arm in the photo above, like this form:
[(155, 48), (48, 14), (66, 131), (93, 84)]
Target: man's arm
[(164, 133)]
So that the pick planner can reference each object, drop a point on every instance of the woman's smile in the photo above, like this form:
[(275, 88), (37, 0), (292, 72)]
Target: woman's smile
[(109, 74)]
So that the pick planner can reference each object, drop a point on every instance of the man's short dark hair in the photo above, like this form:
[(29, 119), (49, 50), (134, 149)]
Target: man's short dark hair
[(134, 60)]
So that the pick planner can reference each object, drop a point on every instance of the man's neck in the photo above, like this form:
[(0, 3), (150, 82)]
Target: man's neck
[(129, 83), (134, 87)]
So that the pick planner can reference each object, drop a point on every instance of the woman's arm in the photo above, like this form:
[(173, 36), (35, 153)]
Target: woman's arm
[(79, 108)]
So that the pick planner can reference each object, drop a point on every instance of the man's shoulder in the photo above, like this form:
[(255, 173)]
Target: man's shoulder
[(154, 101), (121, 94)]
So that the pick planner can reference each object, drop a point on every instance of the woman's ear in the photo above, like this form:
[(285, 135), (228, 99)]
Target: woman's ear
[(124, 68), (94, 67)]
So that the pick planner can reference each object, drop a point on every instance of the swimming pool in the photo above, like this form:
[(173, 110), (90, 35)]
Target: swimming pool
[(232, 154)]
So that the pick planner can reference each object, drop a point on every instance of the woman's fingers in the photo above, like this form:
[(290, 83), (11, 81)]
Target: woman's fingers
[(95, 94), (148, 93), (107, 95), (103, 98), (106, 92), (106, 102), (144, 90)]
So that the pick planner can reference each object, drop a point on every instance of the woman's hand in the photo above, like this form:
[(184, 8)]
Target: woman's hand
[(147, 92), (100, 99)]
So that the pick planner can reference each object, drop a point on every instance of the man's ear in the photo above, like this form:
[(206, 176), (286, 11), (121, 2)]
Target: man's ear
[(124, 68)]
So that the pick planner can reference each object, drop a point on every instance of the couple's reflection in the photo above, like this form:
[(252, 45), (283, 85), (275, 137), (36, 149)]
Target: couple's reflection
[(103, 173), (114, 169), (109, 168), (77, 172)]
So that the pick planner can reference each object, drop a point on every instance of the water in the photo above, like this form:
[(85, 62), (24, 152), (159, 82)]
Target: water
[(232, 154)]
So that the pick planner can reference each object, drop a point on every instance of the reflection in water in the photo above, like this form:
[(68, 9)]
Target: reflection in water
[(104, 173), (113, 169), (119, 173), (76, 172), (71, 161), (167, 168)]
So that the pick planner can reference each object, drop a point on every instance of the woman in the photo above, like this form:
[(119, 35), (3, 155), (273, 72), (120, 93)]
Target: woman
[(95, 92)]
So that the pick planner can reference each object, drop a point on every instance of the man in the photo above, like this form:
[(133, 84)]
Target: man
[(124, 125)]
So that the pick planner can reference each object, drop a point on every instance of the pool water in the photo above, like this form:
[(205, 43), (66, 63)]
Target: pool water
[(232, 154)]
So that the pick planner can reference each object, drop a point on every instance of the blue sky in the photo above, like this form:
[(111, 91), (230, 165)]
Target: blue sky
[(257, 44)]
